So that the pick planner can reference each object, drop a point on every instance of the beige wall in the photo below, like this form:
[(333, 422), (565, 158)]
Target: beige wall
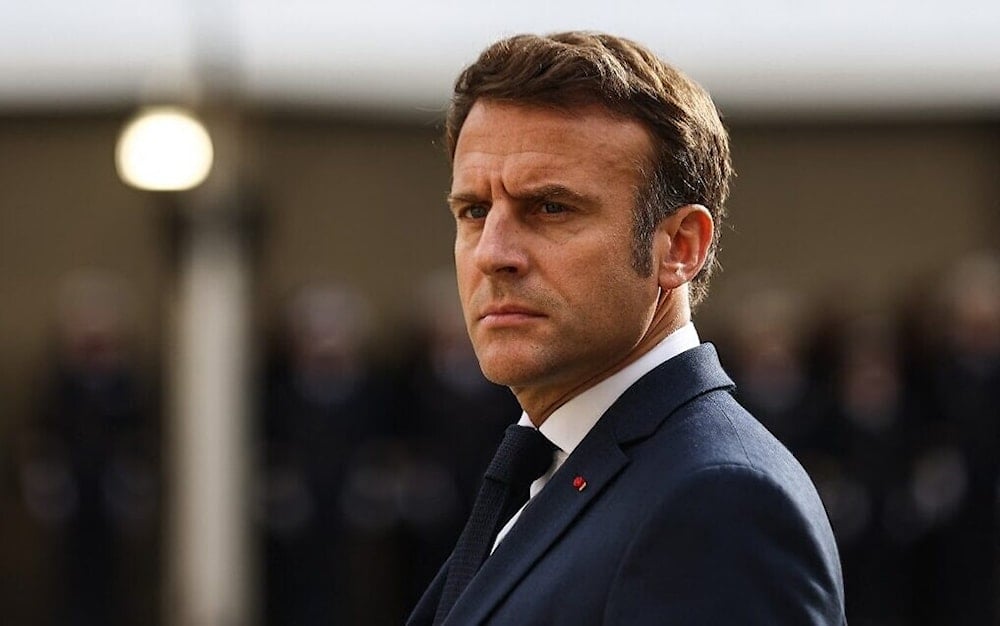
[(859, 210), (358, 203)]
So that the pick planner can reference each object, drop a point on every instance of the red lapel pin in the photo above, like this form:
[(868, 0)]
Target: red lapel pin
[(579, 483)]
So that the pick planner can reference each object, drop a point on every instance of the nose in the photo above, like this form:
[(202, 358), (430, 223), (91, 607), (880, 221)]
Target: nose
[(501, 245)]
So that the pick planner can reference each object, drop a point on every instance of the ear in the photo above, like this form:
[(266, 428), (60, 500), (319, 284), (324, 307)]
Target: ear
[(682, 242)]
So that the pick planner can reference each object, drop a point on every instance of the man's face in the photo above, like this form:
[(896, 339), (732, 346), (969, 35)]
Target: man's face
[(543, 200)]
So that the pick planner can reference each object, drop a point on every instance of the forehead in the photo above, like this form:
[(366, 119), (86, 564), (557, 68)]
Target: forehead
[(517, 142)]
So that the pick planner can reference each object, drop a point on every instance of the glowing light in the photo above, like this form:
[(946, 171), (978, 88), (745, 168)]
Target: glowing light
[(164, 149)]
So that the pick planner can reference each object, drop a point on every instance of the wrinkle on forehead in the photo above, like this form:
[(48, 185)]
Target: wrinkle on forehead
[(513, 147)]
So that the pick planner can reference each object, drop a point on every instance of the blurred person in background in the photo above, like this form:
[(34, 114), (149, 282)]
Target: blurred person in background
[(867, 482), (326, 408), (588, 189), (960, 470), (769, 358), (89, 461)]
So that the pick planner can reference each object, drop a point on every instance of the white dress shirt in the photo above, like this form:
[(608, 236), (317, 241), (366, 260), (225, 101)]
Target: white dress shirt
[(570, 423)]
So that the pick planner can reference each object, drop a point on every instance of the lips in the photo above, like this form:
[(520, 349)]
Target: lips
[(508, 314), (509, 309)]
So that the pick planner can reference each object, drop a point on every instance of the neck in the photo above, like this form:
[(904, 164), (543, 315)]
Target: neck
[(671, 313)]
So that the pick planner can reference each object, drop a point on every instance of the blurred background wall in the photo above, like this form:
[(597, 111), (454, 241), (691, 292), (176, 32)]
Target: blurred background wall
[(868, 169)]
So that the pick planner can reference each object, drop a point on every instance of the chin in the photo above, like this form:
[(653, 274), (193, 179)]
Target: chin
[(498, 375), (506, 371), (511, 363)]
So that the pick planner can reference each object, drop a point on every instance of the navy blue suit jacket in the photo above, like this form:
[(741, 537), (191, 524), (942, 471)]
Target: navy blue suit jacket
[(692, 513)]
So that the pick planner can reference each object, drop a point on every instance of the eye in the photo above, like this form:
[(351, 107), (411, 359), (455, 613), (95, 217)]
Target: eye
[(473, 212), (552, 208)]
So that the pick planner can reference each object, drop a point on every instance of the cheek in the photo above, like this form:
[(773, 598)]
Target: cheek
[(464, 269), (465, 296), (625, 300), (462, 283)]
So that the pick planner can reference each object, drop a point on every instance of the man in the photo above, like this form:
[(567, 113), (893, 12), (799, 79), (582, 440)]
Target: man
[(588, 185)]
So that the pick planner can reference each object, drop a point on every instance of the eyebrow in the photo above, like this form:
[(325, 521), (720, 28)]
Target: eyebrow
[(541, 192), (454, 198), (556, 191)]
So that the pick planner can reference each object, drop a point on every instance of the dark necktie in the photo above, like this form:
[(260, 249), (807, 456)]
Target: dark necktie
[(523, 456)]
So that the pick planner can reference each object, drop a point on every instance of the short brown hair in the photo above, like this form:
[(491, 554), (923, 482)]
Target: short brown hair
[(691, 163)]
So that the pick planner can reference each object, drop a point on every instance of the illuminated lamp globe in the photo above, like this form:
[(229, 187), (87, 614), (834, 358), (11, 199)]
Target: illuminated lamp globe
[(164, 149)]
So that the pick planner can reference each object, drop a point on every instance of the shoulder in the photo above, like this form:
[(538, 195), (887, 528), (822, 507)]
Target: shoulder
[(730, 518), (712, 447), (729, 544), (713, 429)]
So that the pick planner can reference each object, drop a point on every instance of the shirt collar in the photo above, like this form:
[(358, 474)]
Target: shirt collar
[(570, 423)]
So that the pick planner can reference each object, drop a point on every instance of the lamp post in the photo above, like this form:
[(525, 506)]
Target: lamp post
[(208, 568)]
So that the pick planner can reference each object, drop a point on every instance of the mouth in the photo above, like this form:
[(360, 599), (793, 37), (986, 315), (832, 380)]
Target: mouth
[(508, 314)]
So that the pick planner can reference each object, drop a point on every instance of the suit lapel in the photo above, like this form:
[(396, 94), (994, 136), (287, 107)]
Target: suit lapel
[(423, 613), (543, 521), (644, 406), (598, 459)]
